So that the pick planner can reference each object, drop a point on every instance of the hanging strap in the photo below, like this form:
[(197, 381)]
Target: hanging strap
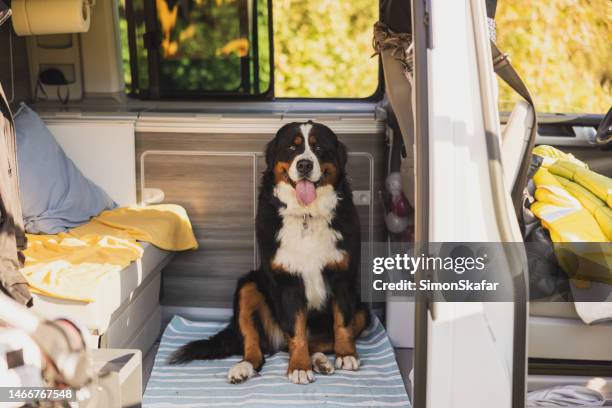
[(504, 69)]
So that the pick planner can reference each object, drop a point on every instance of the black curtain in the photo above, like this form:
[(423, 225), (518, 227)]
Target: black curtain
[(491, 7), (396, 14)]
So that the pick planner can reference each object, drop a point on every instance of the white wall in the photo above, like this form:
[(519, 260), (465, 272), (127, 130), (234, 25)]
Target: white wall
[(104, 150)]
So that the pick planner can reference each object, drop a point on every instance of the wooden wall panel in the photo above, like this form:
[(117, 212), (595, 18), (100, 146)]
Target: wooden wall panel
[(217, 191)]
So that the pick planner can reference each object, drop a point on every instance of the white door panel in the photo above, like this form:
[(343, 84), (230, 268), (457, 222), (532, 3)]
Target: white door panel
[(470, 346)]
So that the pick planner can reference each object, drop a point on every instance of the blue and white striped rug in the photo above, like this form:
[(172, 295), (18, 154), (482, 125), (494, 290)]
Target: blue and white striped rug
[(378, 383)]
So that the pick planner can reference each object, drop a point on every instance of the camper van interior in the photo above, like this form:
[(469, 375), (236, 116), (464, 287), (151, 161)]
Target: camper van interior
[(141, 131)]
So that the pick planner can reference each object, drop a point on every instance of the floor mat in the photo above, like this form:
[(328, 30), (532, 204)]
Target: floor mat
[(204, 384)]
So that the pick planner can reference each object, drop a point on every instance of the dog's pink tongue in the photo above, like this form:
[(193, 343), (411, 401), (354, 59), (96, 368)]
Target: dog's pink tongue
[(305, 191)]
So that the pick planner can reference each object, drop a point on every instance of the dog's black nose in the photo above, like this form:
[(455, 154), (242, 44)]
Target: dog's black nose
[(304, 167)]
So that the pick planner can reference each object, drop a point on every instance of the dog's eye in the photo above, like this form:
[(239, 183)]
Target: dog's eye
[(292, 148), (317, 148)]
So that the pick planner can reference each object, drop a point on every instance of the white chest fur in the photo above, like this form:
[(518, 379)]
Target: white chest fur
[(308, 244)]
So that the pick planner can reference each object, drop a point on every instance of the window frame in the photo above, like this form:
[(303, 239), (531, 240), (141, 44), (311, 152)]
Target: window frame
[(376, 96), (151, 44)]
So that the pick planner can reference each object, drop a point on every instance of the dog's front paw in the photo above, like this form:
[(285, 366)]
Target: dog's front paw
[(321, 364), (350, 363), (240, 372), (300, 376)]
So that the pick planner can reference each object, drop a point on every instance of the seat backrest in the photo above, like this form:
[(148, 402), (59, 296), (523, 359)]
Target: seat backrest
[(398, 89), (104, 150), (515, 139)]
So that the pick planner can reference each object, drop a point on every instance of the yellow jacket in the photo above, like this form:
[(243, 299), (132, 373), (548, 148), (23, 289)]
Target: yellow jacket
[(574, 205)]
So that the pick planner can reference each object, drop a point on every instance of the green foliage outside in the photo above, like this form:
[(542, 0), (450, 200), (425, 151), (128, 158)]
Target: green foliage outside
[(322, 48), (201, 46), (190, 51), (562, 49)]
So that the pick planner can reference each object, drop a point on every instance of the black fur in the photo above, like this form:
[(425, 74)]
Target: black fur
[(223, 344), (284, 293)]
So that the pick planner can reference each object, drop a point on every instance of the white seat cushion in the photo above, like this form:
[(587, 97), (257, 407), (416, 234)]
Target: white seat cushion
[(562, 338), (113, 293), (564, 310), (555, 327)]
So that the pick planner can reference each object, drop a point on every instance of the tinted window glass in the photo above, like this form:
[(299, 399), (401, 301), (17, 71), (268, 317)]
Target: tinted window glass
[(196, 47)]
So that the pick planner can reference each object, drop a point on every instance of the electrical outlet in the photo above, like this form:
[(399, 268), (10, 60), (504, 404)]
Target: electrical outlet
[(362, 197)]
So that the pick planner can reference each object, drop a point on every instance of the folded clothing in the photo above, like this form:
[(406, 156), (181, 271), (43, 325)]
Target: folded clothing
[(572, 203), (166, 226), (565, 396), (73, 264), (562, 213)]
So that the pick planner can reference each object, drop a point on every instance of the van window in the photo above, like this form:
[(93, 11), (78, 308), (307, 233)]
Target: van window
[(562, 49), (175, 48), (200, 48), (322, 48)]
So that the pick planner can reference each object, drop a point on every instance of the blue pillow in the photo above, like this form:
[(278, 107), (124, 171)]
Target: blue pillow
[(55, 195)]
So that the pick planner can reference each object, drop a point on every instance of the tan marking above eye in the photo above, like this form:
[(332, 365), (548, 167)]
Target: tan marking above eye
[(298, 140), (312, 140)]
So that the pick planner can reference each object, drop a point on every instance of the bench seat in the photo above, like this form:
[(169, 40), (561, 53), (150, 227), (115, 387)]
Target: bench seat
[(557, 332), (124, 305)]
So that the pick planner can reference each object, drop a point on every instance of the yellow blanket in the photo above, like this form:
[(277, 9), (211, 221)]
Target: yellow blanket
[(72, 265), (573, 203)]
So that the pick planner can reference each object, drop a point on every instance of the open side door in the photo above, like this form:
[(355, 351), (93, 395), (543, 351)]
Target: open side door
[(466, 354)]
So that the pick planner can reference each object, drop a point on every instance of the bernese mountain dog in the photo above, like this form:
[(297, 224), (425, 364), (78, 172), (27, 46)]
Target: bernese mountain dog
[(304, 297)]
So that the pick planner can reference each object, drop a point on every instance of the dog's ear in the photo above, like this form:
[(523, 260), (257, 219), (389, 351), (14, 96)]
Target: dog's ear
[(342, 156), (271, 153), (272, 146)]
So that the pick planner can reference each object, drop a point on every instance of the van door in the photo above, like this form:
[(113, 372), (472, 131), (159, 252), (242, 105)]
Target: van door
[(466, 354)]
